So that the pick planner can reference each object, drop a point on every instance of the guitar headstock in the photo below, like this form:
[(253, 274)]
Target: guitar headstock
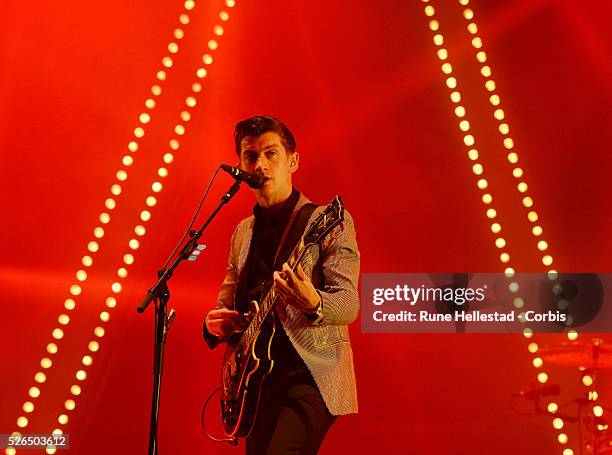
[(332, 216)]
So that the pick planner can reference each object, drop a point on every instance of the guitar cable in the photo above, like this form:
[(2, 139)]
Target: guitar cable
[(232, 441)]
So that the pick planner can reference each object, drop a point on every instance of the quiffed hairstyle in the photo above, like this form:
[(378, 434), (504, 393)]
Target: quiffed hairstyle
[(260, 124)]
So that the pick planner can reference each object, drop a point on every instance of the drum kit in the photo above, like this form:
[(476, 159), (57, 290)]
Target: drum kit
[(590, 359)]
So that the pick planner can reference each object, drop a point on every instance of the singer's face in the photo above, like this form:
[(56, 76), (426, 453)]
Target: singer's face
[(266, 155)]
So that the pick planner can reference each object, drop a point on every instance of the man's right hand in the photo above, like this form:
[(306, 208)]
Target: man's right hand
[(222, 322)]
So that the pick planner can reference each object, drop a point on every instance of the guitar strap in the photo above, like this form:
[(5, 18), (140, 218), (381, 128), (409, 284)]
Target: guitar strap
[(293, 232)]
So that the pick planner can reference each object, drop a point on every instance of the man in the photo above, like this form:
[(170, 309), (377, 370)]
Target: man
[(312, 380)]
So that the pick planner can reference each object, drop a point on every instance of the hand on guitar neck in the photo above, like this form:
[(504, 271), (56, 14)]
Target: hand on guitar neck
[(295, 288)]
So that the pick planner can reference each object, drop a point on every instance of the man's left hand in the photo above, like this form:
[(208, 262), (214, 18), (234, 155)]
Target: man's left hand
[(296, 289)]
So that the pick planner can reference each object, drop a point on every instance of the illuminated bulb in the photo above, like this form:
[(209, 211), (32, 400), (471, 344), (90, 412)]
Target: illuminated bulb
[(174, 144), (512, 157), (438, 40), (149, 103), (167, 61), (508, 143), (116, 189), (477, 169), (121, 175), (145, 215), (517, 172), (542, 377), (144, 118), (485, 70), (134, 244), (99, 332), (62, 419), (223, 16), (491, 213), (162, 172), (111, 302), (500, 242), (532, 347), (179, 129), (568, 452), (179, 33), (28, 406), (140, 230), (22, 422), (75, 390), (122, 272), (190, 101), (116, 287), (598, 411), (464, 125), (87, 360), (110, 203), (201, 73), (468, 139), (173, 48), (451, 82), (542, 245), (552, 274), (185, 115), (184, 19), (481, 56), (156, 186), (494, 100), (212, 44), (533, 217), (52, 348), (487, 198), (538, 362), (128, 259), (127, 160), (81, 375), (504, 257), (522, 187), (519, 302), (40, 377), (447, 68), (473, 154), (593, 395), (34, 392), (93, 346), (139, 132), (207, 59), (562, 438), (547, 260), (69, 404), (156, 90), (527, 332), (189, 4), (509, 272), (46, 362), (459, 111), (63, 319), (558, 423), (455, 97), (429, 10), (81, 275), (504, 128), (490, 85), (69, 304), (218, 30), (75, 289), (572, 335), (442, 54), (495, 227), (482, 184), (58, 334), (537, 230), (468, 13), (477, 43), (587, 380)]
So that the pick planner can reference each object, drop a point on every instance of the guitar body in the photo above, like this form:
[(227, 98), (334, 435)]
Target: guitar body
[(243, 373)]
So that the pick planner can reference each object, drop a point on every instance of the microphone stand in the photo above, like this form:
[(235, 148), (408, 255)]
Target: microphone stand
[(161, 295)]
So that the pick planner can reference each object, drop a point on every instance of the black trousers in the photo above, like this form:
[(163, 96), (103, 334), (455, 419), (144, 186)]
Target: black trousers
[(292, 416)]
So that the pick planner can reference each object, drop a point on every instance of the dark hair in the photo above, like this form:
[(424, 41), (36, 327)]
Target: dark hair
[(260, 124)]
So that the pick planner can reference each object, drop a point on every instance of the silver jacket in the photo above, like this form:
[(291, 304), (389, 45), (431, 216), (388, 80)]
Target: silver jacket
[(324, 345)]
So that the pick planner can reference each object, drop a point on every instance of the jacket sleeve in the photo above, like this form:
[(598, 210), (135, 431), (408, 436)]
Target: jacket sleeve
[(340, 270), (225, 299)]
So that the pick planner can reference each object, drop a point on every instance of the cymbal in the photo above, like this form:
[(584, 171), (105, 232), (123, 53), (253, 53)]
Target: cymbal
[(577, 354)]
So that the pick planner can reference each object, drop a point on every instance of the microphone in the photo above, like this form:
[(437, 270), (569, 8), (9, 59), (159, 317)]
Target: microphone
[(533, 391), (252, 179)]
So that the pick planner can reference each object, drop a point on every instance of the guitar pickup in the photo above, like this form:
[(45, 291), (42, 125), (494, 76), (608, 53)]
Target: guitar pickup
[(196, 252)]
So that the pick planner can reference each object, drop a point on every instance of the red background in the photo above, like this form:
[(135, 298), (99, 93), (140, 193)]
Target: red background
[(360, 86)]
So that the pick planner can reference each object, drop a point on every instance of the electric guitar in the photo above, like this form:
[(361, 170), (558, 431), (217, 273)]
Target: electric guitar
[(247, 360)]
